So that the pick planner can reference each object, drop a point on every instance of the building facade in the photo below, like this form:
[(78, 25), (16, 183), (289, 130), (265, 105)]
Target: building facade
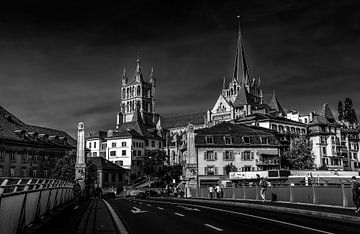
[(30, 151)]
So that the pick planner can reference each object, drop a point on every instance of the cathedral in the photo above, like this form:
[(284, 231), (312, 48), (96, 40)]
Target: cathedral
[(243, 95)]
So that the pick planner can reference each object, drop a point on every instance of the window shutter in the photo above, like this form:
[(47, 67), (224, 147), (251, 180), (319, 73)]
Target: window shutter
[(205, 155), (252, 155), (215, 155), (242, 155), (216, 170)]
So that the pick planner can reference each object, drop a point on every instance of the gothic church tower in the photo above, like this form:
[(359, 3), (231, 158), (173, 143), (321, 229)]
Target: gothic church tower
[(137, 93)]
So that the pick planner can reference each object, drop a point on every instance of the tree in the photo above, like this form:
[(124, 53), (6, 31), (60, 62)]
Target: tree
[(230, 168), (91, 173), (154, 160), (349, 113), (64, 168), (340, 110), (299, 157)]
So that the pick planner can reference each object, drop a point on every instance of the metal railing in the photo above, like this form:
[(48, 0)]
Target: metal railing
[(335, 195), (23, 201)]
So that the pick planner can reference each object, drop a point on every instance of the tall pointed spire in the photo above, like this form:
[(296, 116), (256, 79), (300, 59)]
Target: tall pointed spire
[(275, 105), (240, 60), (124, 78), (224, 83), (152, 77)]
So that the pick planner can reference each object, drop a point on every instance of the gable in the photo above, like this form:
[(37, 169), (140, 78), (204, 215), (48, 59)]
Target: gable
[(221, 105)]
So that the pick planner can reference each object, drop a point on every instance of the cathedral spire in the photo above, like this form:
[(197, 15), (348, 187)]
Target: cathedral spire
[(152, 77), (224, 83), (240, 67), (124, 78), (138, 74)]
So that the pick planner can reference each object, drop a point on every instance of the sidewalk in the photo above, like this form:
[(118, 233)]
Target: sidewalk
[(91, 216)]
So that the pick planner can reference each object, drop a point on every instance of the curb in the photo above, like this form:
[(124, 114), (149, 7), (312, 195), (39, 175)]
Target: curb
[(119, 224), (332, 216)]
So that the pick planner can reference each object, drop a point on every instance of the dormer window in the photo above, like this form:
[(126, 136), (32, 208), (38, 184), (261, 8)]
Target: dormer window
[(246, 140), (228, 140), (209, 140)]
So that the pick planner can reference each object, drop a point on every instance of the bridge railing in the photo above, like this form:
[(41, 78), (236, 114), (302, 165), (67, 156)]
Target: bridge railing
[(336, 195), (25, 200)]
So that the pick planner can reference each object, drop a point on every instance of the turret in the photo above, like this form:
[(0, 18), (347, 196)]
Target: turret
[(124, 78), (138, 74)]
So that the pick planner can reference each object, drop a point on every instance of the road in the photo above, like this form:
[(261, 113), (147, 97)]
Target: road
[(181, 216)]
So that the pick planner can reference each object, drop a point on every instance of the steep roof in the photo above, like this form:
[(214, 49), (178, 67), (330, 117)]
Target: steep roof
[(183, 120), (275, 104), (103, 164), (327, 113), (9, 123)]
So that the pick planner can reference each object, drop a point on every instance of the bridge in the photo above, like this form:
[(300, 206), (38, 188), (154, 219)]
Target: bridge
[(30, 205)]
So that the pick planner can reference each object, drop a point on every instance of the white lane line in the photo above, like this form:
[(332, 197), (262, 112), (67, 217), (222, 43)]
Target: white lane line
[(148, 204), (160, 208), (213, 227), (140, 202), (249, 215), (120, 225), (179, 214)]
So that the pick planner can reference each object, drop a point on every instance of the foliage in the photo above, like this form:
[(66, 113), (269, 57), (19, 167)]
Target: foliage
[(230, 168), (347, 113), (154, 159), (64, 168), (299, 157), (340, 110), (91, 173)]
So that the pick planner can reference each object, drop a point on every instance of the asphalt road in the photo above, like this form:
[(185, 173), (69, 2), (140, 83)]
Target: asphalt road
[(181, 216)]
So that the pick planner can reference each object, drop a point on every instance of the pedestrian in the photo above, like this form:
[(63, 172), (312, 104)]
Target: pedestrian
[(211, 191), (218, 191), (356, 193), (263, 188), (77, 192)]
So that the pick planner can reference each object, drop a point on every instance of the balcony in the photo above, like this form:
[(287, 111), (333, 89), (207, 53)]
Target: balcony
[(270, 162)]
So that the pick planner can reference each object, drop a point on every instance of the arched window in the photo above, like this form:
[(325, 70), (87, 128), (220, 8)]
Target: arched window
[(138, 91), (231, 92), (127, 93)]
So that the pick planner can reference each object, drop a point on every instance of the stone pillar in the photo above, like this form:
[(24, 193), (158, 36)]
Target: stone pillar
[(191, 167), (80, 165)]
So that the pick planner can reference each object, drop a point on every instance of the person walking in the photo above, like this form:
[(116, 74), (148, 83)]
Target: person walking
[(211, 191), (218, 191), (263, 188), (356, 193)]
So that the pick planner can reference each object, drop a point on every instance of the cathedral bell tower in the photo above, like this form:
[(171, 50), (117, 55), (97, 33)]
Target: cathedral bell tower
[(137, 92)]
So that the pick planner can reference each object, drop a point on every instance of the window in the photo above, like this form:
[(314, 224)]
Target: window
[(112, 153), (35, 158), (246, 168), (303, 131), (134, 153), (246, 140), (264, 140), (228, 140), (120, 163), (274, 127), (209, 140), (45, 173), (281, 128), (146, 143), (139, 152), (94, 154), (12, 171), (94, 144), (123, 144), (247, 155), (324, 150), (103, 146), (113, 145), (228, 155), (34, 172), (12, 156), (210, 170), (46, 158), (89, 144), (123, 152), (152, 143), (159, 144), (210, 155), (323, 140)]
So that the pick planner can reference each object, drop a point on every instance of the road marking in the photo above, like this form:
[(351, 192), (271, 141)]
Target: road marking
[(179, 214), (137, 210), (249, 215), (148, 204), (140, 203), (213, 227), (160, 208), (188, 208), (121, 227)]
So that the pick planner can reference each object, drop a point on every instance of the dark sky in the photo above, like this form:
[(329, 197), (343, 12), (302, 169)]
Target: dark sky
[(61, 63)]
